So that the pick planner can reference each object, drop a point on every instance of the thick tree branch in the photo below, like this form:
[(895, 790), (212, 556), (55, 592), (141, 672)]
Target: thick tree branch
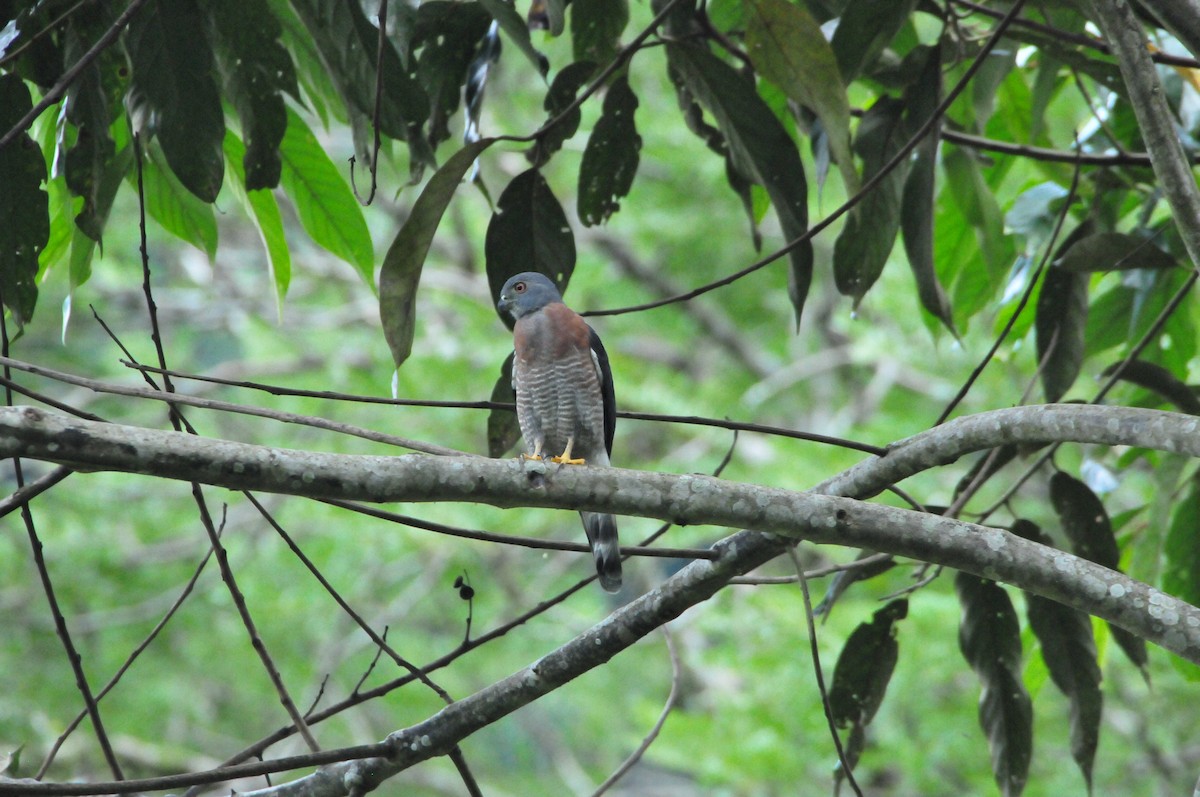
[(991, 553), (1145, 92)]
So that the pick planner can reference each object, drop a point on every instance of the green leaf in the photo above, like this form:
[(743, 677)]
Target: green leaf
[(1112, 251), (1181, 575), (24, 205), (563, 89), (759, 147), (1159, 380), (610, 160), (173, 92), (174, 207), (865, 666), (257, 69), (1059, 327), (1069, 652), (866, 27), (348, 44), (528, 232), (401, 270), (515, 28), (324, 203), (990, 639), (976, 201), (863, 246), (262, 208), (789, 49), (446, 36), (503, 431), (596, 28)]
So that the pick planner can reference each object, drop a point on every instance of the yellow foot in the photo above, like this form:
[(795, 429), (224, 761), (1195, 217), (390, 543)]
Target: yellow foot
[(534, 457), (566, 460)]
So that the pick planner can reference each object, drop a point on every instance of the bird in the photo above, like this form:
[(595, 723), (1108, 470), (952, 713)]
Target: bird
[(566, 406)]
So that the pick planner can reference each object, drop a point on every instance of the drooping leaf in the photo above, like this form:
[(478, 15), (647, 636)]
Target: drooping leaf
[(866, 27), (610, 160), (1111, 251), (844, 579), (85, 240), (916, 203), (515, 28), (324, 203), (976, 202), (596, 28), (174, 207), (503, 431), (401, 270), (24, 205), (865, 666), (863, 246), (446, 37), (263, 210), (789, 49), (1155, 378), (1069, 652), (563, 89), (1088, 528), (173, 93), (528, 232), (257, 70), (349, 44), (759, 148), (1059, 327), (1181, 552), (990, 639)]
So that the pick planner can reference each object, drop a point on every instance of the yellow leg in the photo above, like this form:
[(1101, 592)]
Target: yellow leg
[(565, 458), (536, 455)]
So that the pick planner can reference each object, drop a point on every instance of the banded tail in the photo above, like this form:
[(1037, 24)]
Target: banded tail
[(602, 534)]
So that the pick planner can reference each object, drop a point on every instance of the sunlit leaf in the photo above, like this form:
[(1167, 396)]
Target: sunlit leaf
[(324, 203), (990, 639), (173, 93), (789, 49), (1060, 323), (264, 212), (175, 208), (400, 273), (24, 205), (610, 160)]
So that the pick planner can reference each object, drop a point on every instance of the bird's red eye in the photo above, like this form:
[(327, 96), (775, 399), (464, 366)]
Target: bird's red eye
[(519, 287)]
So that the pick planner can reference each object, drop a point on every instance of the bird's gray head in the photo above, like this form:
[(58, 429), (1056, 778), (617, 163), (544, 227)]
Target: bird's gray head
[(527, 293)]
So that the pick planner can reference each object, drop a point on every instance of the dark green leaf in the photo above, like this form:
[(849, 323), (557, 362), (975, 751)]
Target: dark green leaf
[(503, 431), (990, 639), (789, 49), (323, 200), (349, 46), (610, 160), (24, 205), (1111, 251), (515, 28), (446, 36), (565, 86), (528, 232), (759, 148), (975, 200), (916, 204), (1059, 326), (263, 210), (1159, 380), (174, 207), (1181, 576), (1069, 651), (865, 666), (866, 27), (257, 70), (173, 93), (596, 28), (863, 246), (401, 270)]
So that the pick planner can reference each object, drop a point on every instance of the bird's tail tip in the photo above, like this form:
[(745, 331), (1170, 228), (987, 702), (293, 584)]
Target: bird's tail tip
[(602, 534)]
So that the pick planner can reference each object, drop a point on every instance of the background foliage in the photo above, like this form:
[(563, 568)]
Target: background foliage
[(636, 160)]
